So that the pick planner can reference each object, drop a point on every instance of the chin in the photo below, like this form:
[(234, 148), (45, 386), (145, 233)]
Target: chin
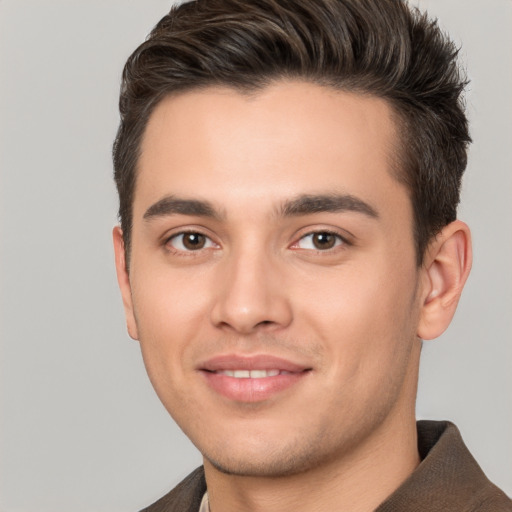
[(263, 469), (286, 460)]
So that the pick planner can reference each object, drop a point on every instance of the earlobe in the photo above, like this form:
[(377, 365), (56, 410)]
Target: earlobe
[(123, 280), (444, 273)]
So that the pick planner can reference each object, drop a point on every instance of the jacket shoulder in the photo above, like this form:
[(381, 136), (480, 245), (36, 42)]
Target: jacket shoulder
[(185, 497), (495, 501)]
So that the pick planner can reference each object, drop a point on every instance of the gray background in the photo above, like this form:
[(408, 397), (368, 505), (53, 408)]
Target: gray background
[(80, 426)]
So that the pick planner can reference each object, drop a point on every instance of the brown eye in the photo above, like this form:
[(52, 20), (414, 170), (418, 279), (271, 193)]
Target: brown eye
[(190, 241), (320, 241), (194, 241), (324, 240)]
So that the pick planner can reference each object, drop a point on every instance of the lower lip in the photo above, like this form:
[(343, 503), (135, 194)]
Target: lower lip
[(251, 390)]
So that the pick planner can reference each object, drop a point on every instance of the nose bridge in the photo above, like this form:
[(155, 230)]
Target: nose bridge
[(251, 295)]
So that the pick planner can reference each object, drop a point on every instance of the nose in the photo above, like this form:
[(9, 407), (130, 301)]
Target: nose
[(252, 295)]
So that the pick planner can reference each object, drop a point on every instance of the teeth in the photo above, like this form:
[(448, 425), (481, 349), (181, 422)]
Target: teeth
[(258, 374), (250, 374)]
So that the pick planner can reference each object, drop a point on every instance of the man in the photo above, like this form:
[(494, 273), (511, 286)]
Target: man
[(288, 174)]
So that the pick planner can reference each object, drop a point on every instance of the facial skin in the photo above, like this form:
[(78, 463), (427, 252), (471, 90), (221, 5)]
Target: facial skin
[(266, 282)]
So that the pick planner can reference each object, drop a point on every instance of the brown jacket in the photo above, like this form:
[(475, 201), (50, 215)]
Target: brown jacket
[(447, 480)]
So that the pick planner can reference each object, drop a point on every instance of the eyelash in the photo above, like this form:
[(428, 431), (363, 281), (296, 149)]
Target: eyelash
[(339, 242)]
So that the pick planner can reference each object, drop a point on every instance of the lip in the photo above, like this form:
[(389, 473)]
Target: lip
[(247, 389)]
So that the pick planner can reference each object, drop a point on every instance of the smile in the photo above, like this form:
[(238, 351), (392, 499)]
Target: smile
[(252, 379)]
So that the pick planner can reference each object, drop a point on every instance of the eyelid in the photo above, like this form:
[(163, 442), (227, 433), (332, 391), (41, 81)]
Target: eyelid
[(184, 229)]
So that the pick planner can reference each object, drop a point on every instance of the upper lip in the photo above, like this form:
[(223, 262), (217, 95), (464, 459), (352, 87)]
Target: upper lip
[(251, 362)]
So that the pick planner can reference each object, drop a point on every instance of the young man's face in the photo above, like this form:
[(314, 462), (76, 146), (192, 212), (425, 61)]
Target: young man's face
[(273, 283)]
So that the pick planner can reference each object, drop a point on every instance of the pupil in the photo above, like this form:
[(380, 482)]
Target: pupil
[(323, 240), (193, 241)]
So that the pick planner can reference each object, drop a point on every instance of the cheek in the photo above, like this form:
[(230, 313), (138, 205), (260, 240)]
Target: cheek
[(364, 316), (169, 302), (170, 312)]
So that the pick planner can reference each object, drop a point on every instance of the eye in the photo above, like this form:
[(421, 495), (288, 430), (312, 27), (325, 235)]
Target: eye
[(190, 241), (320, 241)]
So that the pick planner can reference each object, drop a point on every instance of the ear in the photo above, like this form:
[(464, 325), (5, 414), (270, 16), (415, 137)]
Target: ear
[(445, 270), (123, 280)]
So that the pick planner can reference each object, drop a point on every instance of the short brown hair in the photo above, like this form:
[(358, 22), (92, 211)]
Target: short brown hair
[(380, 47)]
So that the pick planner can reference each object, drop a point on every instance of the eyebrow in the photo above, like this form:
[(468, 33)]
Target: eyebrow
[(309, 204), (172, 205), (301, 205)]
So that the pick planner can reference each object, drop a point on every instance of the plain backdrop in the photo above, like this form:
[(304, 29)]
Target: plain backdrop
[(80, 427)]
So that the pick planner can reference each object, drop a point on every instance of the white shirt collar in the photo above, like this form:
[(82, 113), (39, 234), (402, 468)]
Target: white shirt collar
[(205, 504)]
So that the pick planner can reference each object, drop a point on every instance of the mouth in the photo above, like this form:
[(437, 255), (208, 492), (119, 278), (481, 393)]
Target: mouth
[(250, 379)]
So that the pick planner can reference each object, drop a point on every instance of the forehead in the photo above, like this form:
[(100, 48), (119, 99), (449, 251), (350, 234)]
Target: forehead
[(289, 138)]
